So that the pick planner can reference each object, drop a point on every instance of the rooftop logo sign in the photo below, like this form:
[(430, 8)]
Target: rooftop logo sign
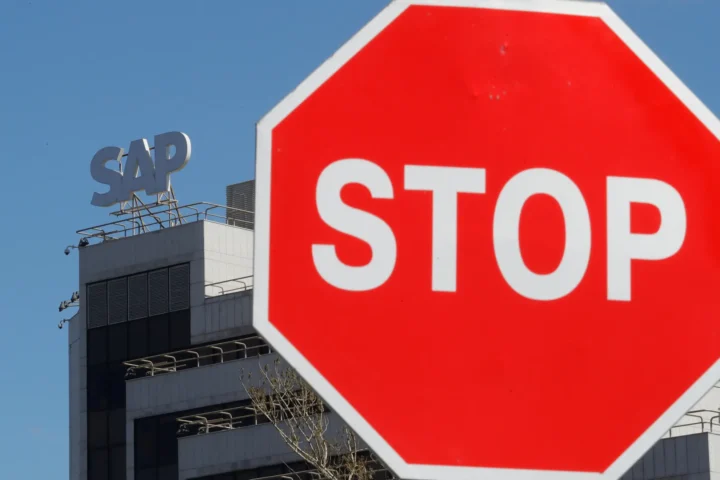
[(139, 172)]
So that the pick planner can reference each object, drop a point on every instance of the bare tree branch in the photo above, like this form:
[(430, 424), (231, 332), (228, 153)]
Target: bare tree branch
[(299, 415)]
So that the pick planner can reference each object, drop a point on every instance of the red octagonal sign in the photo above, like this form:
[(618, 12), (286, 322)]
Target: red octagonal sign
[(485, 233)]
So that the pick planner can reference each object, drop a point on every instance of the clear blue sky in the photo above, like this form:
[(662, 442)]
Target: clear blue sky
[(76, 76)]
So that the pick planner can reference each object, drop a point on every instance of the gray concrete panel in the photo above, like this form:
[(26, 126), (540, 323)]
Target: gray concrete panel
[(240, 449), (222, 317), (688, 457)]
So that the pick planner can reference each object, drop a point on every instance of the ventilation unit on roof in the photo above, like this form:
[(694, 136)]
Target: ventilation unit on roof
[(241, 196)]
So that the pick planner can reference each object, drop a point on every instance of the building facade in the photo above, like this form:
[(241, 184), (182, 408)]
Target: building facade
[(163, 333)]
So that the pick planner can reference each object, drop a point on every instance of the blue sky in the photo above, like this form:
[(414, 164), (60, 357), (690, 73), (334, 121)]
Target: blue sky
[(76, 76)]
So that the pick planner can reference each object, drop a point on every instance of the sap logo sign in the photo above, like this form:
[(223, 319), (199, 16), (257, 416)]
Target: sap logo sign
[(139, 172)]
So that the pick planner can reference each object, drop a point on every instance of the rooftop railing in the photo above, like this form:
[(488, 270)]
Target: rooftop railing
[(225, 287), (167, 216), (704, 421)]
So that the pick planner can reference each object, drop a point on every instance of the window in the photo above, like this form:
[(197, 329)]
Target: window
[(179, 330), (159, 334), (117, 463), (138, 338), (98, 464), (166, 449), (146, 474), (117, 342), (145, 442), (97, 388), (169, 472), (97, 429), (116, 427), (116, 380), (97, 346)]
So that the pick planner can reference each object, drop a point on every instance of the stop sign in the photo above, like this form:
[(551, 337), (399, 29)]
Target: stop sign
[(485, 233)]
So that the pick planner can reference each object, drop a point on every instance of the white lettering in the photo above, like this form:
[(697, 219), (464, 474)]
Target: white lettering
[(445, 183), (354, 222), (506, 234), (624, 246)]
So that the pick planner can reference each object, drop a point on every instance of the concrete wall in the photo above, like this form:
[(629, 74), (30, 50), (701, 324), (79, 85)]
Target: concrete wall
[(185, 390), (690, 457), (222, 317), (77, 388), (708, 408), (228, 253), (240, 449)]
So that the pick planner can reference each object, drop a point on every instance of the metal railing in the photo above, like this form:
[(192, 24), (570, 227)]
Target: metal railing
[(225, 287), (196, 357), (167, 217), (704, 420), (230, 419), (220, 420)]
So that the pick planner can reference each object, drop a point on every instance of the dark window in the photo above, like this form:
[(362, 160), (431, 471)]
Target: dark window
[(169, 472), (97, 429), (97, 346), (117, 342), (97, 388), (159, 334), (138, 339), (180, 330), (146, 474), (145, 441), (224, 476), (166, 449), (98, 464), (116, 427), (116, 378), (117, 463)]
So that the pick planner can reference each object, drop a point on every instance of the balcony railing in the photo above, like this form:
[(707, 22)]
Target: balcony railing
[(235, 417), (196, 357), (219, 420)]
